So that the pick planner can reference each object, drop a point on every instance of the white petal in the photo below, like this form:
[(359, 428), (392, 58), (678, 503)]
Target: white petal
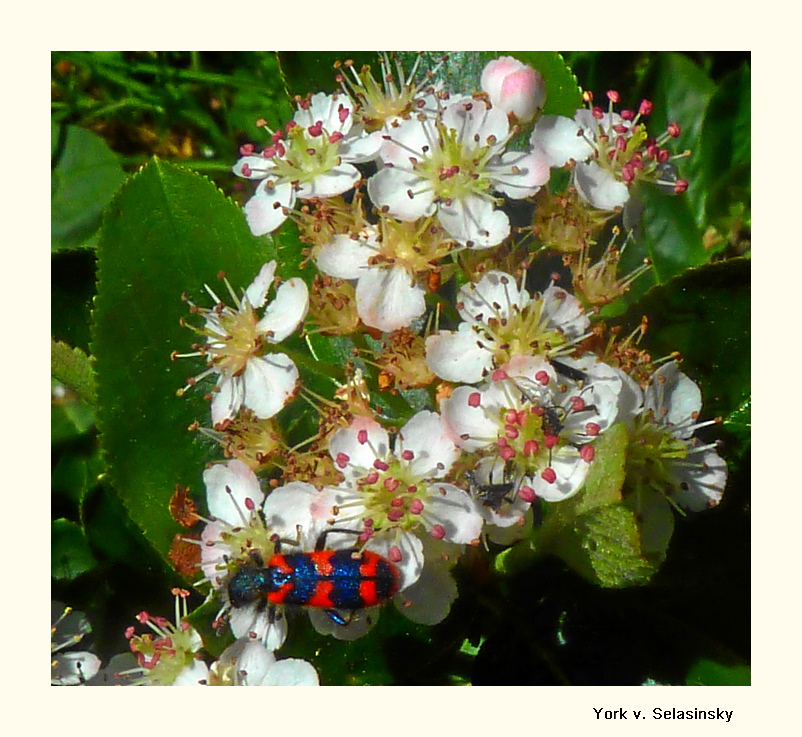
[(326, 109), (495, 295), (73, 668), (560, 139), (704, 487), (412, 557), (388, 299), (476, 123), (673, 398), (571, 473), (474, 222), (249, 622), (454, 510), (192, 675), (591, 125), (253, 660), (599, 187), (564, 312), (357, 625), (333, 182), (360, 148), (285, 312), (269, 383), (391, 188), (256, 293), (360, 455), (292, 672), (265, 210), (457, 356), (290, 507), (259, 167), (227, 401), (231, 488), (533, 173), (472, 427), (345, 258), (429, 599), (408, 140), (430, 442)]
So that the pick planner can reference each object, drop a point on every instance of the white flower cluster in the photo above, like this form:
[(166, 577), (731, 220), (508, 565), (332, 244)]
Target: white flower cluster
[(521, 394)]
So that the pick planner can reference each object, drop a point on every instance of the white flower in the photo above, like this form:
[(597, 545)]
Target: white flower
[(450, 166), (502, 320), (535, 430), (249, 663), (68, 629), (172, 657), (389, 263), (314, 159), (514, 87), (561, 139), (240, 347), (380, 104), (393, 497), (237, 536), (663, 454), (610, 150)]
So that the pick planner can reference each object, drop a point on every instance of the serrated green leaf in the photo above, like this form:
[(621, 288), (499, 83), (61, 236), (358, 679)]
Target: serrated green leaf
[(604, 547), (72, 367), (84, 181), (168, 231), (70, 555)]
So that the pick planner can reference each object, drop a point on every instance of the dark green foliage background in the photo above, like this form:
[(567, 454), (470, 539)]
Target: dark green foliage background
[(128, 240)]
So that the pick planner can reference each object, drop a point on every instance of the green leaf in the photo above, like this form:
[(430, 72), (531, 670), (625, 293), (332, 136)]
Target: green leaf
[(70, 555), (84, 181), (75, 476), (682, 92), (69, 418), (72, 367), (669, 234), (604, 546), (607, 472), (168, 231), (705, 314), (593, 531), (710, 673), (725, 150)]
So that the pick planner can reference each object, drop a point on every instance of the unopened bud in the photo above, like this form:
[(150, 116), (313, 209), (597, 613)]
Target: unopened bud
[(514, 87)]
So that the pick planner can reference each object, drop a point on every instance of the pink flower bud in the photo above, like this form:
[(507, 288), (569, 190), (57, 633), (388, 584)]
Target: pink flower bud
[(514, 87)]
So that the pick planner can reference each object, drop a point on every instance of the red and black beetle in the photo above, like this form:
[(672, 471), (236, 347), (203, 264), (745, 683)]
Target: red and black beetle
[(348, 579)]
